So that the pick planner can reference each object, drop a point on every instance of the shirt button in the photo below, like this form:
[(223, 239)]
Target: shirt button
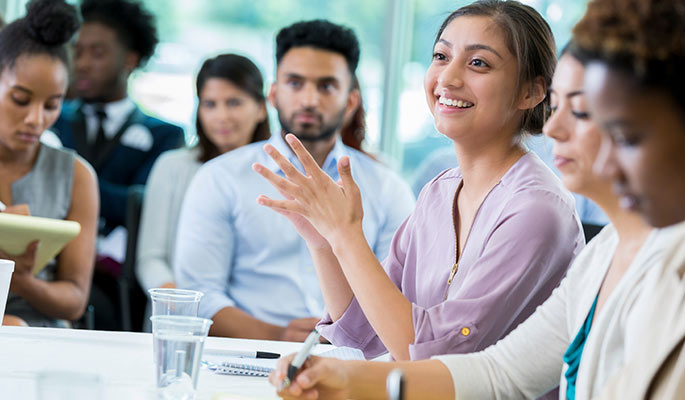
[(465, 331)]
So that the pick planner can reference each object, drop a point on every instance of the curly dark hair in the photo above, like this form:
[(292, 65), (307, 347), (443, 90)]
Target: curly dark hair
[(320, 34), (241, 72), (529, 38), (133, 24), (46, 28), (643, 38)]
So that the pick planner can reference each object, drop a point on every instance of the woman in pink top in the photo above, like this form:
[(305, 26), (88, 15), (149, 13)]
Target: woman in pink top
[(487, 242)]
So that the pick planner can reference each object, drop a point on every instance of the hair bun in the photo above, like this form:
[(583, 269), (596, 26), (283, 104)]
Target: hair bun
[(52, 22)]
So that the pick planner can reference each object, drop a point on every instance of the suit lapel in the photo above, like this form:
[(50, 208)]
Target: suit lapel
[(80, 135), (99, 159)]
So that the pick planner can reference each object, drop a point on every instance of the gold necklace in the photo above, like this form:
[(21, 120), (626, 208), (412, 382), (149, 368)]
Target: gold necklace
[(455, 266)]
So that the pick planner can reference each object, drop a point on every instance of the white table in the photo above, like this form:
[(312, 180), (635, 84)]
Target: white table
[(122, 359)]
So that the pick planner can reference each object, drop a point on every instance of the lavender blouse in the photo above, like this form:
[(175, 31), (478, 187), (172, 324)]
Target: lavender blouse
[(523, 238)]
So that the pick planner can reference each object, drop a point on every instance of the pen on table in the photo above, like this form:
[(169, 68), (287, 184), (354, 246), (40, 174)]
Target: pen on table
[(300, 358), (243, 353), (3, 207)]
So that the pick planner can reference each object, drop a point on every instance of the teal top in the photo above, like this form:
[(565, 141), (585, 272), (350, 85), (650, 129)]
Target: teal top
[(575, 352)]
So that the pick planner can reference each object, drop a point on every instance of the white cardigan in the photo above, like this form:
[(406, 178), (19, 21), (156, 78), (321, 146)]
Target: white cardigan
[(528, 362), (164, 193), (657, 367)]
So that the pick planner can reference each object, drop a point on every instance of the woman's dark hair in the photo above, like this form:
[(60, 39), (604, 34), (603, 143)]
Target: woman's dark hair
[(642, 38), (353, 131), (133, 24), (46, 28), (529, 38), (241, 72)]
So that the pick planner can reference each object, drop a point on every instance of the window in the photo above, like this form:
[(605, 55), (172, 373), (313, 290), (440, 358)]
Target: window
[(193, 30), (416, 134), (390, 70)]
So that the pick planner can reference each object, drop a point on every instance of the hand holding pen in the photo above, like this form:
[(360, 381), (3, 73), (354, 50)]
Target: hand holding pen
[(300, 358), (318, 377)]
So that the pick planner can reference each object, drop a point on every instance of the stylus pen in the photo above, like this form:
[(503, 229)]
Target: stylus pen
[(3, 207), (300, 358), (243, 353)]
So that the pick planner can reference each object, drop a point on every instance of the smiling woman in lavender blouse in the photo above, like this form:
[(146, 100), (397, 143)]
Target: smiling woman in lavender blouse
[(487, 242)]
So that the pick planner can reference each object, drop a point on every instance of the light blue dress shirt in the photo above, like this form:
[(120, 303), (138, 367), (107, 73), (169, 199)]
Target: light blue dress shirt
[(241, 254)]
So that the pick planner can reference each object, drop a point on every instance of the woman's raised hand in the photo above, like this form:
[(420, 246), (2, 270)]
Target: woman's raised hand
[(331, 208)]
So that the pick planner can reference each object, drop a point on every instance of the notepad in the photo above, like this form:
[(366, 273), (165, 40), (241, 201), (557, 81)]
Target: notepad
[(262, 367), (239, 366), (344, 353), (18, 231)]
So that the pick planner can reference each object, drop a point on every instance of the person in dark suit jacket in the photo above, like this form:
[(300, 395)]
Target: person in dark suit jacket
[(109, 130), (103, 124)]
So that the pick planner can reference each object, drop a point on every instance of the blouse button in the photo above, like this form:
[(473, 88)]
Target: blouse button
[(465, 331)]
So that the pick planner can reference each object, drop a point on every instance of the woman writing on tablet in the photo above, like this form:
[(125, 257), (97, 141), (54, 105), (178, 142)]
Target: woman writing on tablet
[(34, 65)]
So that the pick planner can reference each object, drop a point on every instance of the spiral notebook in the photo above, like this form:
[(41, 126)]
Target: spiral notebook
[(262, 367), (238, 366)]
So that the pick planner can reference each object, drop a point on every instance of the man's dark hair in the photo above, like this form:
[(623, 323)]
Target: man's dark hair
[(133, 24), (320, 34)]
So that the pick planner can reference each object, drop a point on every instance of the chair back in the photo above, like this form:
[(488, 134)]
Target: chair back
[(132, 299)]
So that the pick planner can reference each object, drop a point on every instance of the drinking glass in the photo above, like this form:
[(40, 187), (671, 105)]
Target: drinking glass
[(175, 301), (6, 270), (178, 342)]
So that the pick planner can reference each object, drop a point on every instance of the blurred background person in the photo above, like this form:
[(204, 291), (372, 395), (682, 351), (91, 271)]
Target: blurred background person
[(237, 252), (110, 131), (231, 113), (54, 183), (104, 125)]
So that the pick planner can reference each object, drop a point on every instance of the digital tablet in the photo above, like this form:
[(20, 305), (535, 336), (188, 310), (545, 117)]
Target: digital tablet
[(18, 231)]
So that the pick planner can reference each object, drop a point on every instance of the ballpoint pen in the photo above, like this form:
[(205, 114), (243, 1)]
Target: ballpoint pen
[(300, 358), (243, 353)]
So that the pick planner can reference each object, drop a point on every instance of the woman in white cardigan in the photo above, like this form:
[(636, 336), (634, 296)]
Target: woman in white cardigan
[(606, 277), (231, 113)]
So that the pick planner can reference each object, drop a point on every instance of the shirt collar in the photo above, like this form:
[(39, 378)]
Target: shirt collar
[(329, 165), (116, 110)]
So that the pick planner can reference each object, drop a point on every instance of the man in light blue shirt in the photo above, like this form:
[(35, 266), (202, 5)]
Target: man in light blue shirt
[(254, 269)]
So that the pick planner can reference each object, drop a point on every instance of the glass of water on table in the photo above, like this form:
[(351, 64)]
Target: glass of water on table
[(178, 344), (175, 301)]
